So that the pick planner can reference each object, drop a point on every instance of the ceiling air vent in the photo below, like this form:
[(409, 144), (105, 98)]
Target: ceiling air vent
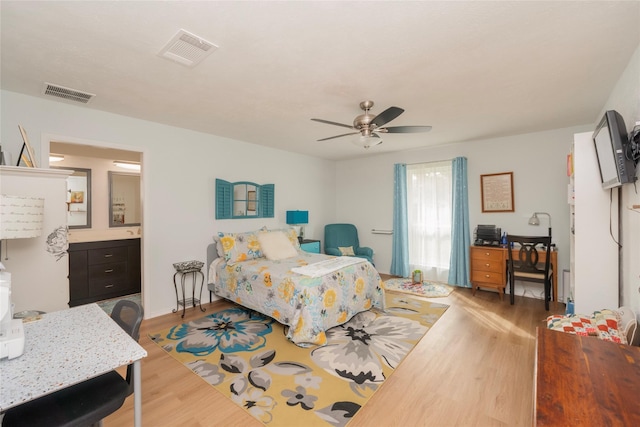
[(187, 49), (67, 93)]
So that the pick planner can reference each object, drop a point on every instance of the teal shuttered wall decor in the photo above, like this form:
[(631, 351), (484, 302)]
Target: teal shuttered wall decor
[(243, 199)]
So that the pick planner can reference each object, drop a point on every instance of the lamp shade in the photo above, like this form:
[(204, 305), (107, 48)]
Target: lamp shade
[(20, 217), (297, 217), (366, 141)]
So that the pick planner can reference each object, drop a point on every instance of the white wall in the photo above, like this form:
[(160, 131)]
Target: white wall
[(538, 163), (625, 98), (179, 171), (180, 167)]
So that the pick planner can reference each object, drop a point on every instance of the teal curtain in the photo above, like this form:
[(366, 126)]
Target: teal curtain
[(460, 230), (400, 250)]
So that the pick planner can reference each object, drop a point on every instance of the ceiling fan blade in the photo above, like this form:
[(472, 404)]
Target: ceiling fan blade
[(332, 123), (386, 116), (339, 136), (404, 129)]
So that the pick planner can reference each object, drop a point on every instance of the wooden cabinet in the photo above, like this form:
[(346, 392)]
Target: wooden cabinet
[(488, 268), (312, 246), (103, 270)]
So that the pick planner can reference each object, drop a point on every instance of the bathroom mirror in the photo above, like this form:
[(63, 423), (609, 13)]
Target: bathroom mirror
[(124, 199), (79, 198)]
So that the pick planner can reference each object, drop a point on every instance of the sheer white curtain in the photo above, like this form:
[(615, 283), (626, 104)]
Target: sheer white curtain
[(429, 203)]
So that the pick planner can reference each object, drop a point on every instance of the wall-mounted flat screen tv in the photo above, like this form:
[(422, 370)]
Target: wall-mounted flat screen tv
[(610, 139)]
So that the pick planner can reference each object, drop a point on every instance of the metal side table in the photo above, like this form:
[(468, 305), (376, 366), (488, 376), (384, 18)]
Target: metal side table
[(184, 270)]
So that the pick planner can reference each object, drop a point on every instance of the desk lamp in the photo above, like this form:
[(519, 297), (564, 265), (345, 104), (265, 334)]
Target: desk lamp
[(296, 218), (534, 220)]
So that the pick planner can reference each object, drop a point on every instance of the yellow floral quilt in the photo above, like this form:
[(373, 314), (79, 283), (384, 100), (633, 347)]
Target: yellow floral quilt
[(307, 306)]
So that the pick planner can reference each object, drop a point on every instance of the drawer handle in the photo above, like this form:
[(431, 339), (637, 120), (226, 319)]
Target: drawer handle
[(108, 286), (487, 253), (487, 265), (108, 255), (109, 270), (487, 275)]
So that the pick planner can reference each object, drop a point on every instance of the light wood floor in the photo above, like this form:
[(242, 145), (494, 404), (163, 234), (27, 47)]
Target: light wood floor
[(473, 368)]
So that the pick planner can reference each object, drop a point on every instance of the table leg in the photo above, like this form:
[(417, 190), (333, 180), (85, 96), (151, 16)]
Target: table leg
[(137, 393), (175, 286), (201, 286), (193, 288), (184, 298)]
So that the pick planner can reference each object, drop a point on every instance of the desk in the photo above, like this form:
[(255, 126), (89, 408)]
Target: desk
[(584, 381), (489, 268), (67, 347)]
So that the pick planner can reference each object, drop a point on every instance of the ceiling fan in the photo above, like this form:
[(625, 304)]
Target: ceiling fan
[(368, 125)]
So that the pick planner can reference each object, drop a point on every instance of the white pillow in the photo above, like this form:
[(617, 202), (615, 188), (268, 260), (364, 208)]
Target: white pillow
[(346, 250), (275, 245)]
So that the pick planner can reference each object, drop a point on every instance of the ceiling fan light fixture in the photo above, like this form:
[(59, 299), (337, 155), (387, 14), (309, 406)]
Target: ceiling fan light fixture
[(366, 141)]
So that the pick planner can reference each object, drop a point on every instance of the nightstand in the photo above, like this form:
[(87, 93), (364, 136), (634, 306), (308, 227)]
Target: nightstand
[(488, 268), (312, 246)]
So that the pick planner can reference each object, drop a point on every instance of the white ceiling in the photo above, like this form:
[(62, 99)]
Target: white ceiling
[(471, 70)]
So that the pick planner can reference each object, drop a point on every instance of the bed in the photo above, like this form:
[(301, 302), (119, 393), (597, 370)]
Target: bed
[(245, 268)]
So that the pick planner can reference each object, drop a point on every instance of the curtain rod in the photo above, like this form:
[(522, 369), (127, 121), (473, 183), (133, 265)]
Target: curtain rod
[(433, 161)]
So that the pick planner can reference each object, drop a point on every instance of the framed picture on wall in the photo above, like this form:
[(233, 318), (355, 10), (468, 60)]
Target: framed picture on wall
[(496, 190), (26, 157)]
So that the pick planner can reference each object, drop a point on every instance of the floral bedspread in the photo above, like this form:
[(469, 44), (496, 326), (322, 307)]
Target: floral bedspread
[(308, 306)]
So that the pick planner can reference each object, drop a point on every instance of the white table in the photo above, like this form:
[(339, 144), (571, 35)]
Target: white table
[(67, 347)]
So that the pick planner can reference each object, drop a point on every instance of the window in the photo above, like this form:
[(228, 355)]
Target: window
[(429, 195)]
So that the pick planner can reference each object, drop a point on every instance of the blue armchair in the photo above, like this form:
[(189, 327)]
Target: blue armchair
[(344, 236)]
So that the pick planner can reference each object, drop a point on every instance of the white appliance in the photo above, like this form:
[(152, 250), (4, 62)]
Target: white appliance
[(11, 330)]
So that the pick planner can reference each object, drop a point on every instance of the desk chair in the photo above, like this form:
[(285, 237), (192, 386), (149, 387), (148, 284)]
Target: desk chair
[(87, 403), (525, 264)]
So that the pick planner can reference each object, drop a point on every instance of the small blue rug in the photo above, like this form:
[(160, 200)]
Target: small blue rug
[(426, 289)]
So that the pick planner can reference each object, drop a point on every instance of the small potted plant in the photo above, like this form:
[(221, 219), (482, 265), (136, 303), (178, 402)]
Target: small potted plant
[(417, 276)]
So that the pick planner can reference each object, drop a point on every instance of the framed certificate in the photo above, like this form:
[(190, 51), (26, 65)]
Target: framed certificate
[(497, 192)]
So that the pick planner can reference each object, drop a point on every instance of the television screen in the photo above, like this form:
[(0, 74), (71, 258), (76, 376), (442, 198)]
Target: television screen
[(610, 139)]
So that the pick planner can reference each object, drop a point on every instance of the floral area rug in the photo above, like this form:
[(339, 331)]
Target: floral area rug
[(425, 289), (246, 357)]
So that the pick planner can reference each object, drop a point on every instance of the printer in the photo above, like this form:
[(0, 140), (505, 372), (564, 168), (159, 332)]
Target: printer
[(487, 235)]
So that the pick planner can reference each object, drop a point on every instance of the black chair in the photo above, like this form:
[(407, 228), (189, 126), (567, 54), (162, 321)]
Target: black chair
[(525, 263), (88, 402)]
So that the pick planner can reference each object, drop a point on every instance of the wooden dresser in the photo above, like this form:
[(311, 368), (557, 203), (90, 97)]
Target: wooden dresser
[(488, 268), (584, 381), (103, 270)]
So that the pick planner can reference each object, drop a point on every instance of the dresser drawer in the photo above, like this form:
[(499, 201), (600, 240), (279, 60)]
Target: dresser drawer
[(108, 271), (107, 255), (487, 265), (479, 253), (107, 285), (487, 277)]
